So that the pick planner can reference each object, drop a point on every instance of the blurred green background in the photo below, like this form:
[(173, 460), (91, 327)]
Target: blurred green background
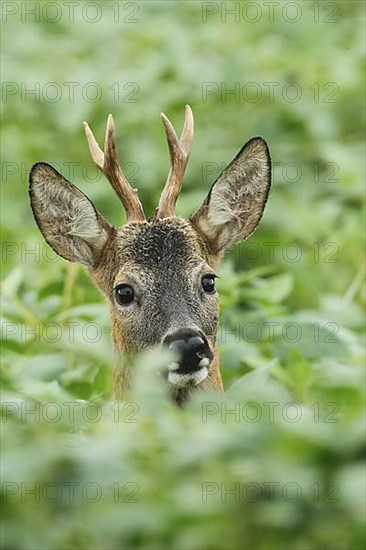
[(143, 474)]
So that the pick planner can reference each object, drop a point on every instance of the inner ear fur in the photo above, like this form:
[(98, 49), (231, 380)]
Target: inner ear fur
[(66, 218), (235, 203)]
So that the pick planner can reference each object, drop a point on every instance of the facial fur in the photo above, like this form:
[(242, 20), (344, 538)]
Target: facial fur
[(164, 261)]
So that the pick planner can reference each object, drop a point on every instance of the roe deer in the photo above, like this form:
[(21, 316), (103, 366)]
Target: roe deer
[(158, 275)]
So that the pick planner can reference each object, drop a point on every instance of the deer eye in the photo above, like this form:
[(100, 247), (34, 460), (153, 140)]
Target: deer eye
[(208, 284), (124, 294)]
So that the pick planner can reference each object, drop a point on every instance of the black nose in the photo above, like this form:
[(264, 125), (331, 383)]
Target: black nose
[(192, 347)]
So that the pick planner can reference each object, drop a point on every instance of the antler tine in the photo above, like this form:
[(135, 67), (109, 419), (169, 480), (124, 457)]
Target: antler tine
[(108, 163), (187, 132), (179, 150)]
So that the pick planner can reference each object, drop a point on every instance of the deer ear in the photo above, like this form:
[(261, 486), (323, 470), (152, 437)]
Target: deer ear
[(235, 203), (66, 217)]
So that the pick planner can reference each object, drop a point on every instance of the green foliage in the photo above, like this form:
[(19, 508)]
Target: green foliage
[(288, 434)]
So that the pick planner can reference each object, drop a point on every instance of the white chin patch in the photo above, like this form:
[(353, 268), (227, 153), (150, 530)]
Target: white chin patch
[(189, 379), (173, 366)]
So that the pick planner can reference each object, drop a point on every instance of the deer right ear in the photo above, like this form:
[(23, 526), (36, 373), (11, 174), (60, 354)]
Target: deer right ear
[(66, 217), (235, 203)]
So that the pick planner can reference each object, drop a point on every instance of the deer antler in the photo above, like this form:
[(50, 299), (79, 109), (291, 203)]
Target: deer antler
[(179, 152), (108, 163)]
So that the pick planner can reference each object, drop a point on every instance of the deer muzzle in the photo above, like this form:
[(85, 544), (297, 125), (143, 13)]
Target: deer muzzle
[(194, 357)]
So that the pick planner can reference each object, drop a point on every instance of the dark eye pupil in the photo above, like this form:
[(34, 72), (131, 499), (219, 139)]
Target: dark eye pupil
[(124, 294), (208, 283)]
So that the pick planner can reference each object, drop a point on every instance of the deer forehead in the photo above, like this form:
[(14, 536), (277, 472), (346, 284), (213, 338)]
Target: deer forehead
[(153, 251)]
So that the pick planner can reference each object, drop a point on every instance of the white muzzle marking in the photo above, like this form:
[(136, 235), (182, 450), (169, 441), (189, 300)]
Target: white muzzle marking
[(187, 379)]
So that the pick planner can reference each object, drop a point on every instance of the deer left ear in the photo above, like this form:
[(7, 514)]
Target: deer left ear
[(235, 203), (66, 217)]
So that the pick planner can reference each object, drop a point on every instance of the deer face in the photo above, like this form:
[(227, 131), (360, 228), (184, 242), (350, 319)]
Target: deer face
[(161, 291), (158, 276)]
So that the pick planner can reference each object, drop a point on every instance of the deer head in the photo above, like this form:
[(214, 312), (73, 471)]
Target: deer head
[(158, 275)]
